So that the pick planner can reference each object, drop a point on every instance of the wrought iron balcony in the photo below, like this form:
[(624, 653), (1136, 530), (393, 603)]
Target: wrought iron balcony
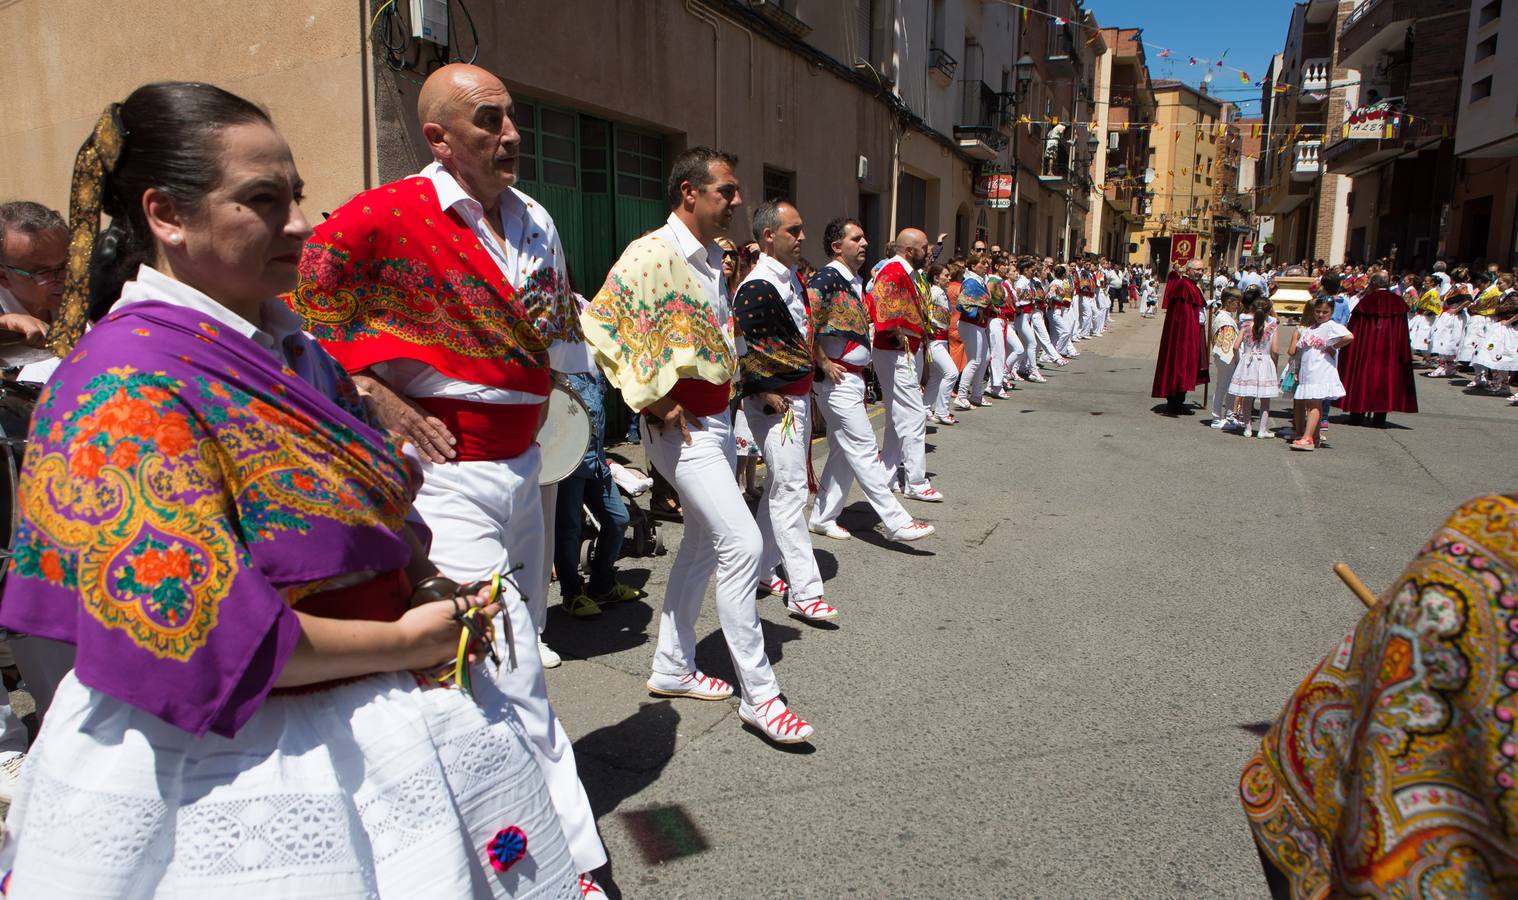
[(941, 66)]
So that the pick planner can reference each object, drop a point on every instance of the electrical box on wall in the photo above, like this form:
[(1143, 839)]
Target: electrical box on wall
[(429, 21), (863, 170)]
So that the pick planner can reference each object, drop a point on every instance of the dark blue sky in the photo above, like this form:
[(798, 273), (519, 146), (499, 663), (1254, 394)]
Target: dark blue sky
[(1250, 31)]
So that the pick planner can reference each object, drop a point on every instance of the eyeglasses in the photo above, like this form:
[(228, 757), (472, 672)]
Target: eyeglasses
[(50, 275), (729, 254)]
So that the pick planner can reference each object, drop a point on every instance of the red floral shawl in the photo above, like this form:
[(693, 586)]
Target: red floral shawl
[(391, 275)]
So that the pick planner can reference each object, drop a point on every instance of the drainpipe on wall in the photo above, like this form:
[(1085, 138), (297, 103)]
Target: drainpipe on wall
[(900, 133), (705, 16)]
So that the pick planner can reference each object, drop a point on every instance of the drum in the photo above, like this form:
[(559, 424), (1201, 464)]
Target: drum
[(565, 435)]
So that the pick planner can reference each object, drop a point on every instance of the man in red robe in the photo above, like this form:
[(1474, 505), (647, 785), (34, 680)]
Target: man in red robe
[(1377, 368), (1182, 362)]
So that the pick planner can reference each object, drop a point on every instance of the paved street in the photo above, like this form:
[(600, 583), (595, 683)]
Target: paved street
[(1054, 695)]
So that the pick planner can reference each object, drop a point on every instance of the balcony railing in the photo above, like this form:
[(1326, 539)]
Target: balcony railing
[(1358, 13), (942, 66), (1307, 163), (1315, 74)]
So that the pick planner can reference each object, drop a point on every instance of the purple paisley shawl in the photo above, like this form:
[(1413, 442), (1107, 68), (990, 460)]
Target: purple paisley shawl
[(181, 487)]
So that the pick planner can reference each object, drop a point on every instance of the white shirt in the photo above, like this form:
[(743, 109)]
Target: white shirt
[(280, 322), (705, 261), (833, 345), (531, 241)]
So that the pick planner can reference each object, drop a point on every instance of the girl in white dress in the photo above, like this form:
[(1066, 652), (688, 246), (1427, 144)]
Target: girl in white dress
[(1500, 353), (1254, 376), (1318, 370), (1420, 327), (1449, 327)]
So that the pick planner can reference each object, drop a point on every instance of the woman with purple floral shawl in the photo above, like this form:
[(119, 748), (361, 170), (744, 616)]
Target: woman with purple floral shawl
[(211, 519)]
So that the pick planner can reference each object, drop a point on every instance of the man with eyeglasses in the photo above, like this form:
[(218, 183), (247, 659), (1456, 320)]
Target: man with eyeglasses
[(33, 252), (34, 243)]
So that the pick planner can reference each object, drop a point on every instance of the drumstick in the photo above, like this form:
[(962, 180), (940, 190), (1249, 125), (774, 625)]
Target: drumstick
[(1353, 582)]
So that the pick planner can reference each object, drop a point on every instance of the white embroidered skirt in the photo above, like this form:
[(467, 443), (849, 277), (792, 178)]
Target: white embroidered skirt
[(375, 788)]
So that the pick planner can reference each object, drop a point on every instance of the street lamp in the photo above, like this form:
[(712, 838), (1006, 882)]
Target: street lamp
[(1024, 67)]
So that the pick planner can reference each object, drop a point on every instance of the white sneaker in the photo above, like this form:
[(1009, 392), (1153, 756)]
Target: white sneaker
[(928, 494), (913, 532), (961, 403), (813, 610), (829, 529), (694, 684), (10, 775), (1248, 432), (1037, 376), (551, 660), (777, 722), (1216, 423)]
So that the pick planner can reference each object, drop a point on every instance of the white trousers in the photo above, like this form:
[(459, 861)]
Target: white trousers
[(1059, 324), (1026, 361), (996, 334), (972, 381), (1222, 401), (1103, 311), (907, 431), (1046, 347), (721, 538), (1087, 318), (941, 374), (485, 518), (782, 509), (852, 455)]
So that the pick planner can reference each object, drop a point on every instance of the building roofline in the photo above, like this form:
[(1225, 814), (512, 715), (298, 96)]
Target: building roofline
[(1165, 85)]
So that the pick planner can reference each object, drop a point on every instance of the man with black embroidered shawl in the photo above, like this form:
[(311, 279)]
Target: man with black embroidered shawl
[(775, 382), (841, 349)]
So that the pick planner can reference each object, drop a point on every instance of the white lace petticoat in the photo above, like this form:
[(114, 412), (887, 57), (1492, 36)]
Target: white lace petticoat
[(375, 788)]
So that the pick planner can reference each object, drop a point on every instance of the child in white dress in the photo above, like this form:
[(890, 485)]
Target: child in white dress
[(1317, 348), (1449, 327), (1254, 376)]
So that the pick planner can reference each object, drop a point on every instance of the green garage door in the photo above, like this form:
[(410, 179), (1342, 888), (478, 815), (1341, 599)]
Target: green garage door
[(603, 183)]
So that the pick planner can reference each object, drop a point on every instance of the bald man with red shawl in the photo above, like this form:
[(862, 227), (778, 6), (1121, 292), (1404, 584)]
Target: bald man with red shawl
[(1182, 362)]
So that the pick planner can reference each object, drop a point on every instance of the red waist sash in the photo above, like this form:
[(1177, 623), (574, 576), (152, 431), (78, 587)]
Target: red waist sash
[(701, 398), (384, 598), (798, 388), (847, 367), (486, 431), (889, 342)]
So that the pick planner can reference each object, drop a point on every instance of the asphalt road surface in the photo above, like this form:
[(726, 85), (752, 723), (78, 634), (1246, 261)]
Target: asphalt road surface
[(1051, 697), (1054, 695)]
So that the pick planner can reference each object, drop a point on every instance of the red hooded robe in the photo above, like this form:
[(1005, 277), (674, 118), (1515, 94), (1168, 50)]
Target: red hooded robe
[(1377, 367), (1182, 362)]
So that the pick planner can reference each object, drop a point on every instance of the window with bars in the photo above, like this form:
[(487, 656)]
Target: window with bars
[(779, 184), (640, 164)]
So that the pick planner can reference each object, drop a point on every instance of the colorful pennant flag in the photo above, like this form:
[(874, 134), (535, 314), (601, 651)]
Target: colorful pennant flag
[(1243, 76)]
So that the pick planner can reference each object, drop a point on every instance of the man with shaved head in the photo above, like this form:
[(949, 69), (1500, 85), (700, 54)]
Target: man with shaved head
[(446, 294), (899, 313)]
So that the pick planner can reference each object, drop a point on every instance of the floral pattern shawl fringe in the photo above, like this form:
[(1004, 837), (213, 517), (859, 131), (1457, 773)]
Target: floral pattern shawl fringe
[(651, 325)]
